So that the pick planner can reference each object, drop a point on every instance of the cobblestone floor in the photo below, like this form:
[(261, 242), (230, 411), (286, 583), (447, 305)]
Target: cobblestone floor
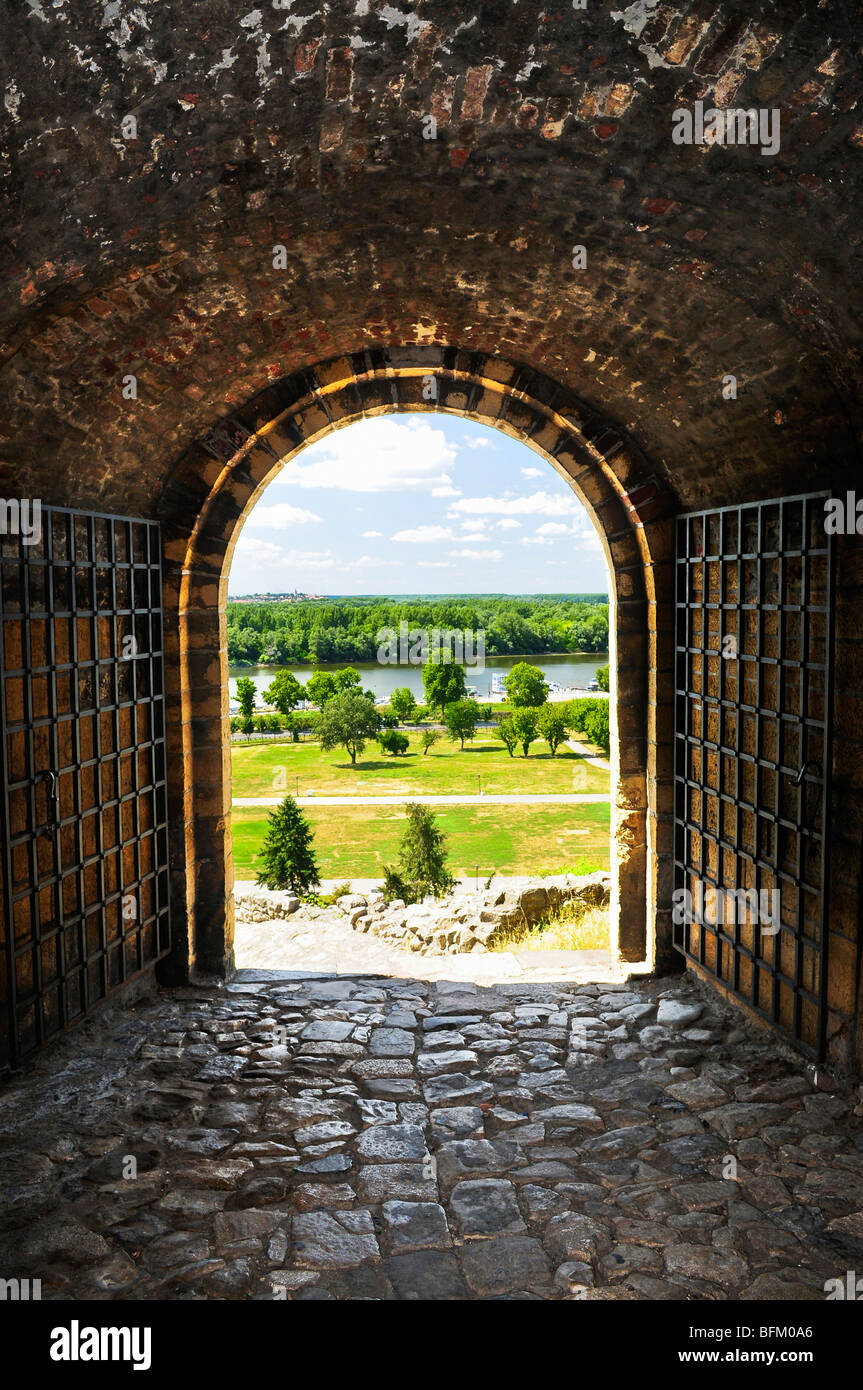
[(367, 1138)]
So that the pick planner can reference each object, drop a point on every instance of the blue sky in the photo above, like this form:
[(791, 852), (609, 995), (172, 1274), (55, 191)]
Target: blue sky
[(420, 503)]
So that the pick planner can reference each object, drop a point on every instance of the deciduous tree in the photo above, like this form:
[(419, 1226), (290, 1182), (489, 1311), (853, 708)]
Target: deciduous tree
[(285, 692), (402, 702), (506, 733), (525, 723), (349, 721), (552, 726), (460, 719), (246, 692), (525, 686), (443, 681)]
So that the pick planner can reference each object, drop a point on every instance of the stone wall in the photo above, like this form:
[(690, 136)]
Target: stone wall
[(458, 922), (147, 248)]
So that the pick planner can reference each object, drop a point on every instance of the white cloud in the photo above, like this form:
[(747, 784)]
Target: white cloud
[(536, 504), (446, 491), (269, 560), (424, 535), (282, 514), (378, 455), (255, 552), (312, 559), (508, 524), (476, 523), (368, 562), (532, 472), (476, 554), (554, 528), (434, 565), (536, 540), (480, 442), (371, 535)]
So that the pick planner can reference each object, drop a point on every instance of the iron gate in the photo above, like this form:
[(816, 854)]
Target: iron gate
[(754, 607), (82, 724)]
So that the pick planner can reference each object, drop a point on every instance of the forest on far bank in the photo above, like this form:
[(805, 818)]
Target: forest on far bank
[(346, 629)]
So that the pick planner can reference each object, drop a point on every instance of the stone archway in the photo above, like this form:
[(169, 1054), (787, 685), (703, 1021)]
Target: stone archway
[(217, 483)]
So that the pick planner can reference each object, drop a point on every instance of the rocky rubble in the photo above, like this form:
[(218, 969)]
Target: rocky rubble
[(263, 904), (461, 921)]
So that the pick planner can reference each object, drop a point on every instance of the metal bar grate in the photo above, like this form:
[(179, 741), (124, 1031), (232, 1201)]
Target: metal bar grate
[(754, 637), (82, 741)]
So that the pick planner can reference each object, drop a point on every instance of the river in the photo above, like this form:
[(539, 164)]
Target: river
[(570, 671)]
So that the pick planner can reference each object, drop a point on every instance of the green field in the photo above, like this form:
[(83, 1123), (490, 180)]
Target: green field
[(267, 769), (356, 841)]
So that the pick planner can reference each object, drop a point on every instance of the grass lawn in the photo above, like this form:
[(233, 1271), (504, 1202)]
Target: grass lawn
[(266, 769), (356, 841)]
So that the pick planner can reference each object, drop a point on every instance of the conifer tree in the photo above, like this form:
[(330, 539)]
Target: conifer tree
[(287, 855)]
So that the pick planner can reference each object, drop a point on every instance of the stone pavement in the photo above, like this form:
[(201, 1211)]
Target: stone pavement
[(373, 1138)]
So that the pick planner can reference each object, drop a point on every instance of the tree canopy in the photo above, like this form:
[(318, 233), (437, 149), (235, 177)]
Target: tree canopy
[(460, 719), (443, 682), (348, 721), (345, 629), (525, 686)]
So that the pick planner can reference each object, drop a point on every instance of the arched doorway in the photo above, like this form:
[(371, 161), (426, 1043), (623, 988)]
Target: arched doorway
[(219, 480)]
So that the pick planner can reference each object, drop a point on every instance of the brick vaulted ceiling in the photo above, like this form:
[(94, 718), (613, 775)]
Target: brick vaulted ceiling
[(301, 123)]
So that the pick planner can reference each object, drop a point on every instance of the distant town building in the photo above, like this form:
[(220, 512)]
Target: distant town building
[(294, 597)]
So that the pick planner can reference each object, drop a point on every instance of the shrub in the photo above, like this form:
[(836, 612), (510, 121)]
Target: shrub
[(395, 887), (393, 742), (590, 717), (326, 899)]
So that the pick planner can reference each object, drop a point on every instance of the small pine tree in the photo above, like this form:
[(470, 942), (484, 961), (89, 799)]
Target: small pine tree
[(422, 853), (287, 856)]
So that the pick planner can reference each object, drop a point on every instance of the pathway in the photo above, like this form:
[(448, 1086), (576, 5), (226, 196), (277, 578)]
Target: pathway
[(596, 759), (314, 1136)]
